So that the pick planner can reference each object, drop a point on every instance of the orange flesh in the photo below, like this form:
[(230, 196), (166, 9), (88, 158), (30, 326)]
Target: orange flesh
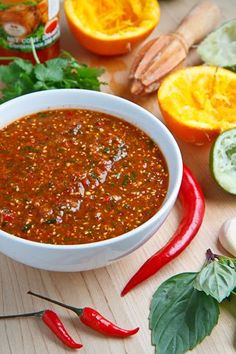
[(108, 17), (110, 27), (200, 98)]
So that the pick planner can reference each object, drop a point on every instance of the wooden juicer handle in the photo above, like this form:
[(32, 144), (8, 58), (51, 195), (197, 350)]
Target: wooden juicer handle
[(201, 20)]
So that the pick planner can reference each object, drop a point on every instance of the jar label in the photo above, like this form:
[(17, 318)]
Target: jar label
[(24, 24)]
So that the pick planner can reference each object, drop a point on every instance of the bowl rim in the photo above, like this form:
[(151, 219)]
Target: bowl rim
[(167, 203)]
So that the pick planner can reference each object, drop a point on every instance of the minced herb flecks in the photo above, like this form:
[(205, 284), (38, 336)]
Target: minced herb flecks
[(76, 176)]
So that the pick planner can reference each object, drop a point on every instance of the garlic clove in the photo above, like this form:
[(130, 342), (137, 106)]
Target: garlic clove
[(227, 235)]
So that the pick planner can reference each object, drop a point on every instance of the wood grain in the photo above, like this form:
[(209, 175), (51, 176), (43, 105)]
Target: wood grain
[(101, 288)]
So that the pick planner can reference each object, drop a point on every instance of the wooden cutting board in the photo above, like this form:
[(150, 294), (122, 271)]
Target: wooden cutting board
[(101, 288)]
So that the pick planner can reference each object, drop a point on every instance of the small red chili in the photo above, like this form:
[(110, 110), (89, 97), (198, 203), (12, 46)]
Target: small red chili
[(6, 216), (93, 319), (51, 319), (107, 199), (193, 206), (53, 322)]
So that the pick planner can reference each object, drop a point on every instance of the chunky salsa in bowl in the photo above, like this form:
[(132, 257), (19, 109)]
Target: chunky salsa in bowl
[(75, 174)]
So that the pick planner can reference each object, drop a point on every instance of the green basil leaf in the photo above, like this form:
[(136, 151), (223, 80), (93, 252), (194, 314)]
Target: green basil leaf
[(180, 316), (227, 260), (217, 280), (231, 262)]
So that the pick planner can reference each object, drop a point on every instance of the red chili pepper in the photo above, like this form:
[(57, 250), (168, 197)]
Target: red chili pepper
[(51, 319), (107, 199), (193, 206), (53, 322), (6, 216), (93, 319)]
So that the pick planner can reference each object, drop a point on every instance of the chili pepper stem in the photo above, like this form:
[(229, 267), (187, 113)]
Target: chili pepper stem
[(8, 58), (29, 314), (78, 311)]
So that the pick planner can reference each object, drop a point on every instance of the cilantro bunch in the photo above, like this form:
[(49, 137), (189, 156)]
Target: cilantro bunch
[(21, 76), (185, 308)]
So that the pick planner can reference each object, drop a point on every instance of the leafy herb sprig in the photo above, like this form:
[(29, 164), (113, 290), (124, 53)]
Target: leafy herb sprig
[(21, 76), (218, 277), (185, 308)]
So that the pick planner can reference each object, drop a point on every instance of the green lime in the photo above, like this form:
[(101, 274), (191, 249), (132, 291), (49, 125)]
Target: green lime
[(219, 47), (223, 160)]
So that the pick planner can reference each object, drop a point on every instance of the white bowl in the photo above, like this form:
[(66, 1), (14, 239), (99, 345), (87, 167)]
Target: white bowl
[(97, 254)]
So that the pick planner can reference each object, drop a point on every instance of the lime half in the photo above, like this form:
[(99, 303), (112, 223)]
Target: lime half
[(219, 47), (223, 160)]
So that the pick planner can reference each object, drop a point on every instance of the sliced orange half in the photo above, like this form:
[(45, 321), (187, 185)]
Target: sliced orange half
[(109, 27), (199, 102)]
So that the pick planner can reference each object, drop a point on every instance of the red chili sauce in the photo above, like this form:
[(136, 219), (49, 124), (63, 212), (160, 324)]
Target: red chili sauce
[(76, 176)]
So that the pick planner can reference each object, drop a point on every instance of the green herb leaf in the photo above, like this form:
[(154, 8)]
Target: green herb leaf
[(26, 227), (227, 260), (43, 73), (51, 221), (52, 70), (125, 181), (28, 148), (217, 280), (21, 76), (25, 65), (231, 68), (180, 316), (9, 73), (4, 7)]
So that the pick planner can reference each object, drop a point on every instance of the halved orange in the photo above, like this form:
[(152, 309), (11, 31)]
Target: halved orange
[(199, 102), (109, 27)]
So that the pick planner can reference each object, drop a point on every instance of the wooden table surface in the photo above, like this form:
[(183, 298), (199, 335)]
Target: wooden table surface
[(101, 288)]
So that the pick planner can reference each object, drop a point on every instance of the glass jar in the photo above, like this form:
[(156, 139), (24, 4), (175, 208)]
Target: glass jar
[(28, 24)]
